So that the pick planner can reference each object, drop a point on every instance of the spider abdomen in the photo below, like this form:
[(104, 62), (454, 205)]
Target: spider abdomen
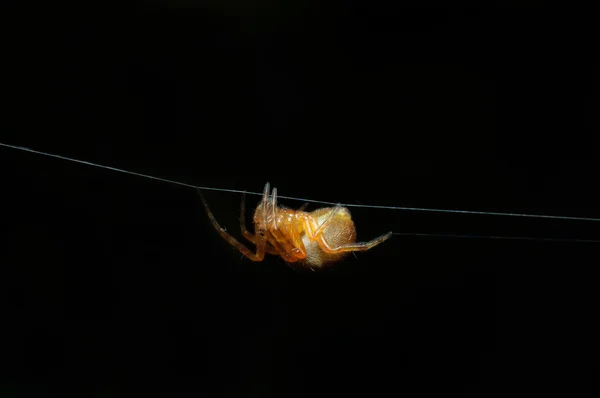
[(339, 231)]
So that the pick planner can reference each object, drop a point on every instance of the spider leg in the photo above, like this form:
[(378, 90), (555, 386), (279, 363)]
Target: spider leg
[(314, 233), (274, 208), (277, 235), (265, 201), (319, 230), (280, 234), (289, 241), (259, 233), (298, 250), (247, 234), (303, 207), (260, 246), (273, 242), (353, 247)]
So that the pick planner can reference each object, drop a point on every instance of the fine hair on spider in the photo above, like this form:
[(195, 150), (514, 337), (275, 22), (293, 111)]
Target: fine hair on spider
[(312, 240)]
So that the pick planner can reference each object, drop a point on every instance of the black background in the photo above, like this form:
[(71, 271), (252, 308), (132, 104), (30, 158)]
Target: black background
[(117, 285)]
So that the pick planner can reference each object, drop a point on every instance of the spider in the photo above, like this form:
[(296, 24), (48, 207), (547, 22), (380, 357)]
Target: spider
[(311, 240)]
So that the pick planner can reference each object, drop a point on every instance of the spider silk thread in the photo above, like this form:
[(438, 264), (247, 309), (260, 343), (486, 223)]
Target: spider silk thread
[(421, 209)]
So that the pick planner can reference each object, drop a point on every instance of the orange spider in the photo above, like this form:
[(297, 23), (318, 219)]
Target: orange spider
[(312, 240)]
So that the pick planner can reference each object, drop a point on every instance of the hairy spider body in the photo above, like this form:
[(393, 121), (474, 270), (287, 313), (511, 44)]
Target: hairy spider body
[(314, 239)]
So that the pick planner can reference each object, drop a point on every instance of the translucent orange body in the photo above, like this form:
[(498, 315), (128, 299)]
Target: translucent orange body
[(308, 239)]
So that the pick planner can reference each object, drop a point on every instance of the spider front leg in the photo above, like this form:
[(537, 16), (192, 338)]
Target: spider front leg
[(260, 246)]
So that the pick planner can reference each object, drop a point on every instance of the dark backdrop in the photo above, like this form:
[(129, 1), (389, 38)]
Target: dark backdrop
[(116, 285)]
